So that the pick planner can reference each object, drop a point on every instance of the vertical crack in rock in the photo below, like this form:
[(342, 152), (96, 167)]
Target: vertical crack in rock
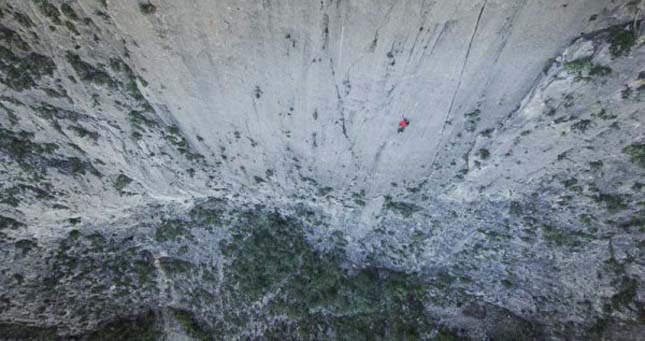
[(456, 92)]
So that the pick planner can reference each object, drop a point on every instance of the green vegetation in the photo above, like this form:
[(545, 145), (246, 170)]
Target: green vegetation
[(137, 118), (636, 152), (74, 166), (72, 28), (16, 331), (48, 10), (323, 191), (581, 126), (69, 12), (270, 254), (13, 42), (484, 154), (89, 73), (613, 202), (121, 182), (25, 245), (626, 294), (147, 8), (403, 208), (131, 86), (602, 114), (23, 20), (9, 223), (515, 208), (556, 236), (600, 70), (191, 326), (487, 132), (472, 118), (143, 328), (8, 196), (179, 141), (621, 40), (596, 165), (173, 230), (572, 185), (82, 132), (96, 264), (20, 147), (175, 265), (21, 73), (584, 69), (578, 65)]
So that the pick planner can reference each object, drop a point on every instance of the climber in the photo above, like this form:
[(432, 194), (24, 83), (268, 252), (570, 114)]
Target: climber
[(403, 124)]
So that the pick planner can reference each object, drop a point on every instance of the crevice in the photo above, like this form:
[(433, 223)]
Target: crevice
[(461, 75), (341, 120)]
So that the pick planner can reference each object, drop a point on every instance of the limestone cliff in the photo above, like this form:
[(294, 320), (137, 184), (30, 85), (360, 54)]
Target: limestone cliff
[(232, 169)]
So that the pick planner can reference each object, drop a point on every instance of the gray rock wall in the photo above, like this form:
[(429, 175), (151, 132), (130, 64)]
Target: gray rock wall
[(232, 169)]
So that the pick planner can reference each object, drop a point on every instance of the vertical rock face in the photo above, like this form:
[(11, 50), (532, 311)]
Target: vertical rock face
[(232, 169)]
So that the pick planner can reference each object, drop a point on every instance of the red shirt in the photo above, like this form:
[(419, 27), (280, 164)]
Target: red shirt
[(403, 124)]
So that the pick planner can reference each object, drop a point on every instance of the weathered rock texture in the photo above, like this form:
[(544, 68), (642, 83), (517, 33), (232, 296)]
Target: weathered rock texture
[(232, 170)]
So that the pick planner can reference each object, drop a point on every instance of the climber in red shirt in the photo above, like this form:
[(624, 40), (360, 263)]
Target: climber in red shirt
[(403, 124)]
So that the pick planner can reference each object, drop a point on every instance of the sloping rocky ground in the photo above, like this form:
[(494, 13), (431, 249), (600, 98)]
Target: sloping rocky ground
[(124, 217)]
